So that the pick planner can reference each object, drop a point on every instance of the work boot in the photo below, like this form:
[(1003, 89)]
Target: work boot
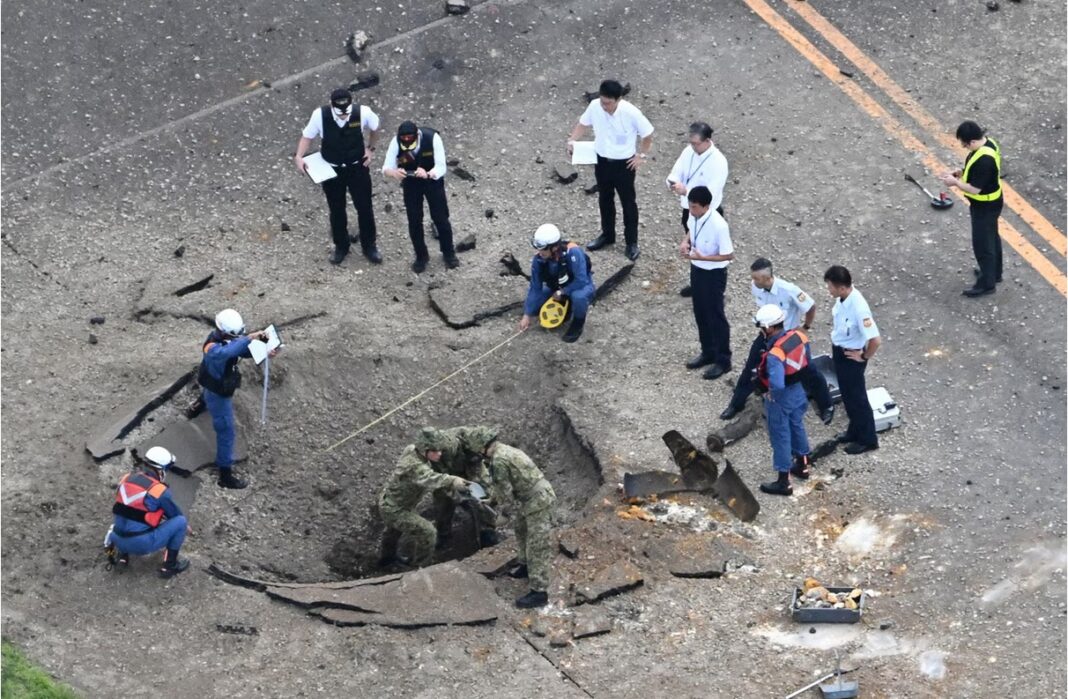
[(715, 371), (858, 448), (843, 438), (372, 254), (781, 486), (227, 479), (337, 256), (730, 412), (802, 467), (419, 266), (976, 272), (827, 415), (633, 251), (698, 362), (975, 291), (488, 537), (172, 565), (574, 331), (533, 599), (601, 241), (451, 261), (520, 571), (686, 291)]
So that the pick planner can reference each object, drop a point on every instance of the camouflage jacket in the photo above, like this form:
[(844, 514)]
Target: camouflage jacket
[(462, 455), (413, 478), (516, 477)]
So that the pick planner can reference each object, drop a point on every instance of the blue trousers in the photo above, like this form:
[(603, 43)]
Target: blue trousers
[(222, 419), (580, 300), (786, 426), (170, 534)]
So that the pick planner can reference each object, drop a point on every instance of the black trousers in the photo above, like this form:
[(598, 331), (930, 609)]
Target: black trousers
[(713, 329), (614, 177), (433, 191), (356, 181), (986, 243), (813, 382), (855, 398)]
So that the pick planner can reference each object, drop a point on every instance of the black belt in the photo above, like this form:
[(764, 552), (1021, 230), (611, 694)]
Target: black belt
[(346, 164), (614, 160), (848, 349)]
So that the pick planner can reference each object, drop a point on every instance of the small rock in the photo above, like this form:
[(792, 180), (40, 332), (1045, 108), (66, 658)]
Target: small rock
[(568, 544), (884, 625), (388, 208), (457, 7), (993, 6), (812, 629), (285, 226), (565, 173), (365, 80), (463, 174), (489, 213), (468, 243), (559, 639), (439, 64), (92, 339), (846, 73), (96, 320), (355, 44), (179, 251)]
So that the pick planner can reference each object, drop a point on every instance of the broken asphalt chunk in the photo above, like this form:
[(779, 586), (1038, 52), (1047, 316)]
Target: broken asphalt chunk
[(565, 173), (104, 441), (193, 443), (591, 621), (622, 576), (364, 81)]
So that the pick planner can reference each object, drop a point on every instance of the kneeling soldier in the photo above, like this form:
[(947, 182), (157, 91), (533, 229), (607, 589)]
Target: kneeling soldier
[(560, 270)]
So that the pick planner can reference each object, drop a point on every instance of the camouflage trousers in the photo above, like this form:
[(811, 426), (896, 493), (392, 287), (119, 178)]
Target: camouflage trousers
[(533, 533), (409, 531)]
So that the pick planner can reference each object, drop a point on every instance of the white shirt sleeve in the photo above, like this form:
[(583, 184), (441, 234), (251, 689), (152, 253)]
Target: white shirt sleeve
[(864, 320), (439, 158), (390, 161), (798, 298), (756, 294), (717, 179), (587, 116), (726, 247), (675, 175), (368, 119), (314, 129), (642, 125)]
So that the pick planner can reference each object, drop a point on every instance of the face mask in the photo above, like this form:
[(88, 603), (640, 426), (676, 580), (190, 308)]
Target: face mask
[(410, 145), (341, 110)]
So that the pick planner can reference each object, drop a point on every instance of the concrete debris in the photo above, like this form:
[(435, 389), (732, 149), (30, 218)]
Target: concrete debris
[(463, 174), (193, 443), (513, 267), (457, 7), (443, 594), (93, 339), (568, 543), (591, 621), (565, 173), (456, 303), (468, 243), (198, 285), (364, 81), (616, 579), (355, 43), (104, 441)]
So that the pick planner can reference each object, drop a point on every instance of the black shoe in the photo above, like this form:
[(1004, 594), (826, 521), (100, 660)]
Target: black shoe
[(337, 256), (633, 251), (777, 487), (976, 272), (373, 255), (173, 565), (419, 266), (730, 412), (827, 415), (843, 438), (686, 291), (451, 261), (574, 331), (519, 571), (715, 371), (601, 241), (488, 538), (227, 479), (802, 467), (532, 599), (977, 291), (698, 362), (858, 448)]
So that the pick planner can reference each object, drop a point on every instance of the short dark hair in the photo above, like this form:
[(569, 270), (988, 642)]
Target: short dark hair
[(759, 264), (702, 129), (838, 275), (969, 131), (700, 195), (611, 89)]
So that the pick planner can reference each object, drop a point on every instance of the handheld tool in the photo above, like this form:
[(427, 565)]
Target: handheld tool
[(942, 201)]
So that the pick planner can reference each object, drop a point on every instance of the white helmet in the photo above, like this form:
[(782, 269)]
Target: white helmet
[(546, 235), (768, 316), (158, 457), (229, 321)]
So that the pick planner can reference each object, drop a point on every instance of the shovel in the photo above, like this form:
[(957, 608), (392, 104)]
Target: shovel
[(940, 202)]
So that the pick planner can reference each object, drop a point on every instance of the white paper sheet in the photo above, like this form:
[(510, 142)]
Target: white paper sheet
[(583, 153), (259, 349), (318, 169)]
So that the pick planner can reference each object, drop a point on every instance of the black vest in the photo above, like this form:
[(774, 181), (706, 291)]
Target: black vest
[(422, 156), (564, 274), (231, 378), (342, 145)]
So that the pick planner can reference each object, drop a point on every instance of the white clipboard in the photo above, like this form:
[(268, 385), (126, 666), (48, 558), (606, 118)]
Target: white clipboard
[(318, 169), (583, 153)]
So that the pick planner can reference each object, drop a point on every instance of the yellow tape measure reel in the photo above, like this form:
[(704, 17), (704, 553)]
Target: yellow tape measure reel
[(553, 313)]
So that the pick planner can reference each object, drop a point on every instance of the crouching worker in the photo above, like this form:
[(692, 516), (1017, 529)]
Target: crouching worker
[(146, 518), (517, 479), (418, 472), (561, 271)]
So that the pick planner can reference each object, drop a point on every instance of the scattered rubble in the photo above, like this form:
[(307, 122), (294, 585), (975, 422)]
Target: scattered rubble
[(616, 579), (565, 173), (355, 43), (105, 440)]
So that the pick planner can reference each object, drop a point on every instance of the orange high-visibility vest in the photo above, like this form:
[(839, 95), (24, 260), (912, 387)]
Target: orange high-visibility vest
[(790, 350), (130, 498)]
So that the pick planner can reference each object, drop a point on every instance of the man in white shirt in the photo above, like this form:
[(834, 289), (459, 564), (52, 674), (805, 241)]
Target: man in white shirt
[(768, 289), (707, 246), (416, 157), (700, 163), (617, 125), (348, 134), (856, 339)]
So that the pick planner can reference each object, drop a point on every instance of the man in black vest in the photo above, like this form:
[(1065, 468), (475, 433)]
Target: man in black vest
[(341, 125), (416, 157)]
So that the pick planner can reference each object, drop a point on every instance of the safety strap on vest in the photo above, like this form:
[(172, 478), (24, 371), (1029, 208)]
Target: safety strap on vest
[(995, 153)]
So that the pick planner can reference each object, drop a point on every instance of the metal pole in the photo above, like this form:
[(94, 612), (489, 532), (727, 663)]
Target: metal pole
[(266, 379)]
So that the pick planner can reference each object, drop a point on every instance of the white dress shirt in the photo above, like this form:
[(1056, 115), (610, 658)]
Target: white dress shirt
[(615, 135), (853, 322), (695, 169), (789, 297), (314, 129), (436, 173), (710, 235)]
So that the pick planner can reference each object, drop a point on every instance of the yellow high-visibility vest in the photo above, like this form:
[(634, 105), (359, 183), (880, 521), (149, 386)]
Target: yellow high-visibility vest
[(994, 151)]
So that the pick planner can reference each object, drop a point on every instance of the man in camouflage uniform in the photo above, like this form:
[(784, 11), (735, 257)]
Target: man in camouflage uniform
[(461, 455), (516, 478), (418, 472)]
